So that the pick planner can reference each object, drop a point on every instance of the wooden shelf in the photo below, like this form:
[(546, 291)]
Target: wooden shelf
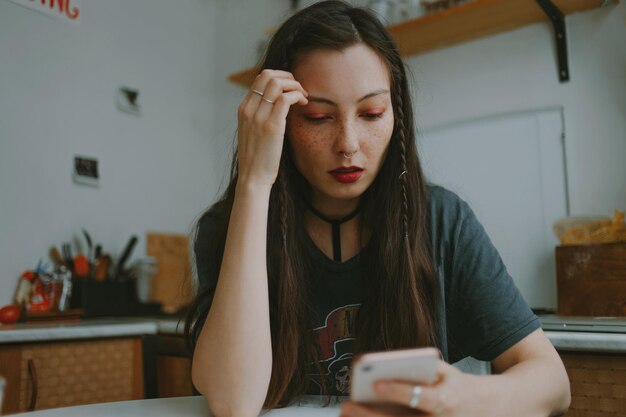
[(245, 77), (465, 22), (473, 20)]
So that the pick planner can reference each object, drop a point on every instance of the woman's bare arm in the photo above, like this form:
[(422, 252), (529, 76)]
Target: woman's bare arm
[(232, 362), (531, 373)]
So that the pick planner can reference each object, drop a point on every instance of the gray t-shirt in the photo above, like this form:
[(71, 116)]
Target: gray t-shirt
[(481, 312)]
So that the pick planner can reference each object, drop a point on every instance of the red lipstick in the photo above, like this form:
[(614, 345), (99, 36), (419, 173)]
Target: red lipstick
[(346, 175)]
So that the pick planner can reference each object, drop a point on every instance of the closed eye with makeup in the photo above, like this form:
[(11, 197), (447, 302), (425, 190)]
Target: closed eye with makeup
[(371, 108)]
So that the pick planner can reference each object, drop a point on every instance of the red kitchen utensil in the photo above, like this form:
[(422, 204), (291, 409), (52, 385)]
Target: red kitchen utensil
[(81, 266)]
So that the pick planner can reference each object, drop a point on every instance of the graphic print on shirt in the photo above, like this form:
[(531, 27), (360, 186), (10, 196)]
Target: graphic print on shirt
[(336, 340)]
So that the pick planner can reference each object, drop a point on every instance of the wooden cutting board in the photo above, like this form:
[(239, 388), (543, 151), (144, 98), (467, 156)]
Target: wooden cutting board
[(171, 284)]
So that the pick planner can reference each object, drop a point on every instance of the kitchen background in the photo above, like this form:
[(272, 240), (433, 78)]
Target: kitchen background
[(161, 168)]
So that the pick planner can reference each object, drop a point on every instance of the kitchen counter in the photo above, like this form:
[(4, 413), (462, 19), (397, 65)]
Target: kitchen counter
[(564, 333), (84, 329), (90, 328), (171, 326), (588, 341), (600, 342), (588, 334)]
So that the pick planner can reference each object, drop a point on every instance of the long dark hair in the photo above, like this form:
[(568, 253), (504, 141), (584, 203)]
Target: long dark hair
[(399, 308)]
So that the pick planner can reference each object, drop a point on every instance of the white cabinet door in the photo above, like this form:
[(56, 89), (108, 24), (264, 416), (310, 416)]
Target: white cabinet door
[(511, 170)]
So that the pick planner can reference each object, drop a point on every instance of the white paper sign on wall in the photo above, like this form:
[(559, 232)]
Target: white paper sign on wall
[(67, 10)]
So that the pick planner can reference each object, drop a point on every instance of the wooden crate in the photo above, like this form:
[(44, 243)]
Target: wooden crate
[(591, 280), (598, 384)]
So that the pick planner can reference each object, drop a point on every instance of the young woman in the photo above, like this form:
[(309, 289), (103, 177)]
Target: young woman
[(328, 243)]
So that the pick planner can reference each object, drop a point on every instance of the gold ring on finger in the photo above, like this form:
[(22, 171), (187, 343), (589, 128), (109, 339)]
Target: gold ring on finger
[(416, 395), (257, 92), (268, 100)]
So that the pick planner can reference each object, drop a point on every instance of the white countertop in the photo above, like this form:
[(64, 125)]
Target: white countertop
[(179, 407), (588, 342), (99, 328), (171, 326), (84, 329), (90, 328)]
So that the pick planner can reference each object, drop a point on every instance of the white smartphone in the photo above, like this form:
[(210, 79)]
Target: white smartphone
[(412, 365)]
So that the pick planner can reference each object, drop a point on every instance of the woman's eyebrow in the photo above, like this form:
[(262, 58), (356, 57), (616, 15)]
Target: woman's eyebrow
[(332, 103)]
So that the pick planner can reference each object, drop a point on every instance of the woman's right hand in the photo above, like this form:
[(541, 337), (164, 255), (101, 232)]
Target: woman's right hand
[(261, 125)]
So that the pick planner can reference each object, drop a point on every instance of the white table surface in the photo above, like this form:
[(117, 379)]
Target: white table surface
[(310, 406)]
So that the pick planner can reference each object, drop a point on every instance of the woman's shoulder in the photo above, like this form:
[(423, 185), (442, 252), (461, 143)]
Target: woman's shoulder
[(451, 219), (446, 204)]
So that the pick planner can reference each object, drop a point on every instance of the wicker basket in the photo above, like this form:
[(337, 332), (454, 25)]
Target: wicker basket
[(79, 372)]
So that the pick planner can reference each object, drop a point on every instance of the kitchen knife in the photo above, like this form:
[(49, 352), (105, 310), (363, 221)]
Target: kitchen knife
[(124, 257), (89, 244), (67, 255)]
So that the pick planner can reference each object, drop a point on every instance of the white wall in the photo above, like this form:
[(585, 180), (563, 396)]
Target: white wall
[(241, 25), (57, 99), (517, 71)]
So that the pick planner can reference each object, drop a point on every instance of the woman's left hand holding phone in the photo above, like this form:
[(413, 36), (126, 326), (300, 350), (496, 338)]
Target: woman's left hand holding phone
[(262, 123)]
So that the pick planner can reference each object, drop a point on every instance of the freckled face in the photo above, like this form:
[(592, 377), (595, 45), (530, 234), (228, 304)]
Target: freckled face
[(349, 112)]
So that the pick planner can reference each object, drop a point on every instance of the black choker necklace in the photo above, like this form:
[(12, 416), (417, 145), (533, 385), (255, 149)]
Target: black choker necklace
[(336, 225)]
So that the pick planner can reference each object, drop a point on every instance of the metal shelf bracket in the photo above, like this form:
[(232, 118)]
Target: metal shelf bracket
[(558, 22)]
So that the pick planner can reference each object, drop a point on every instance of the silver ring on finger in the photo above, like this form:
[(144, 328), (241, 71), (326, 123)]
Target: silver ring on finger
[(258, 92), (416, 396), (268, 100)]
